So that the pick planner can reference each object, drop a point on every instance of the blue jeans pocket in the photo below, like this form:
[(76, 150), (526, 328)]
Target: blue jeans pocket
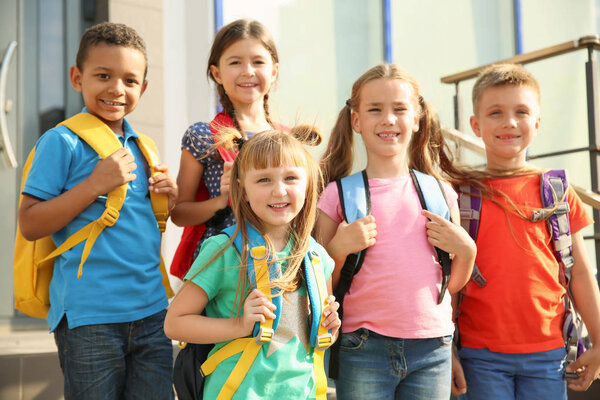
[(353, 341)]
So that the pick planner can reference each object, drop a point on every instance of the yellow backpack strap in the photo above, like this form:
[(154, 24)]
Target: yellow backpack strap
[(249, 347), (102, 139), (160, 201)]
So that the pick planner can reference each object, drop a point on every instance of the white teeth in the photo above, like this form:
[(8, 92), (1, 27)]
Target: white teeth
[(112, 103), (386, 135), (278, 205)]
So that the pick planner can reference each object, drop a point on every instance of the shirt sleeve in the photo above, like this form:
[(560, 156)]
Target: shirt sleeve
[(50, 167), (198, 141), (329, 203), (211, 277), (450, 194), (578, 217)]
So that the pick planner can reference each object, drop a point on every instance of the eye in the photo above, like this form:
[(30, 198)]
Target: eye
[(260, 62), (263, 180), (235, 62), (400, 109), (291, 178), (103, 76), (523, 112), (374, 109), (131, 81), (494, 113)]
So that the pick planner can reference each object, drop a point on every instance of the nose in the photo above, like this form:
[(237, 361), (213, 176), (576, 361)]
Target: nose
[(389, 118), (248, 69), (279, 188), (116, 87), (510, 121)]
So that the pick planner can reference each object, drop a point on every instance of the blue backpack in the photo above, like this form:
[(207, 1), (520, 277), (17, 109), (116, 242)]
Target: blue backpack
[(553, 190), (355, 202), (260, 272)]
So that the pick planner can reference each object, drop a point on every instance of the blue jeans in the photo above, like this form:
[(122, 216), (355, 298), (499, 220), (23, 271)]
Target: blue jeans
[(509, 376), (131, 360), (374, 366)]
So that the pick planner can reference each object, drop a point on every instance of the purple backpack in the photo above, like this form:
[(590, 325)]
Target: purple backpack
[(553, 191)]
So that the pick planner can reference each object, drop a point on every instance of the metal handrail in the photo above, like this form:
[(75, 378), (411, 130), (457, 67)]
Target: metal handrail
[(476, 145), (584, 42), (5, 145)]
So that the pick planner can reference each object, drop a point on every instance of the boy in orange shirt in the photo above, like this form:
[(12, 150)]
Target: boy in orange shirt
[(511, 328)]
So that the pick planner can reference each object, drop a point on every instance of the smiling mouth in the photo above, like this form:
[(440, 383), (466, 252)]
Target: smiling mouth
[(248, 85), (388, 135), (507, 137), (112, 103), (279, 205)]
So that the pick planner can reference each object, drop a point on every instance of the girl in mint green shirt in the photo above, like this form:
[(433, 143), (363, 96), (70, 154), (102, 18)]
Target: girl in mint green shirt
[(274, 188)]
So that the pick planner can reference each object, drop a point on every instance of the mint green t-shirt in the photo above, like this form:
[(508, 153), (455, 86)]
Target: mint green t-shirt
[(283, 368)]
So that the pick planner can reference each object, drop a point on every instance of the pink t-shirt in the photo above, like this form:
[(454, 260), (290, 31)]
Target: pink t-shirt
[(395, 292)]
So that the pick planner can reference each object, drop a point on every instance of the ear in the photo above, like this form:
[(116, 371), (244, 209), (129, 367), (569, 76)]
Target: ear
[(537, 123), (144, 86), (355, 121), (214, 70), (474, 121), (416, 124), (75, 78), (274, 72)]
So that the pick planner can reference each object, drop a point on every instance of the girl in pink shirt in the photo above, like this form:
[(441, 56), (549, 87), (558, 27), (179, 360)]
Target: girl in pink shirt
[(396, 340)]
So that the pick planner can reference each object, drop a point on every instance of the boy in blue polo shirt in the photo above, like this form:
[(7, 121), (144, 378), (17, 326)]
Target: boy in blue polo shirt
[(108, 325)]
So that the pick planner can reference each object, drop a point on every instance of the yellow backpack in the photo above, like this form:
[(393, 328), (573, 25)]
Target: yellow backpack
[(33, 262)]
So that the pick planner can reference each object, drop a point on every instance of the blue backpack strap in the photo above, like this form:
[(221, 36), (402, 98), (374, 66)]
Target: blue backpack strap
[(469, 202), (255, 239), (432, 198), (355, 201)]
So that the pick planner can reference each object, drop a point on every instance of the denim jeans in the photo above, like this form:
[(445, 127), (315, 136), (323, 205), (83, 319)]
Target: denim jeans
[(509, 376), (373, 366), (131, 360)]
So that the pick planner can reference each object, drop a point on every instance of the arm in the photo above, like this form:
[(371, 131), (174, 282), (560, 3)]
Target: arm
[(39, 218), (188, 211), (184, 322), (342, 239), (459, 383), (587, 299), (451, 237)]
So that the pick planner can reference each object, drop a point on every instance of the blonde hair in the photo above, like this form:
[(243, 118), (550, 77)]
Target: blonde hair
[(503, 75), (228, 35), (426, 149), (268, 149)]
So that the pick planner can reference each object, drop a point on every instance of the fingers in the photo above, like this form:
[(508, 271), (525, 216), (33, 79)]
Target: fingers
[(332, 318), (257, 307), (434, 217)]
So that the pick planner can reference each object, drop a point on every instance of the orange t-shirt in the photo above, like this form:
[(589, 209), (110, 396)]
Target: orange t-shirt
[(520, 309)]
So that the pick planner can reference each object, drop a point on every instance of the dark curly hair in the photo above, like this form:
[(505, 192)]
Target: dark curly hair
[(112, 34)]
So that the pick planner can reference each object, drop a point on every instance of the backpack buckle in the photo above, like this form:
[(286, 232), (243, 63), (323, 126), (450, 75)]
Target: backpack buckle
[(109, 216), (264, 335), (469, 214), (324, 341)]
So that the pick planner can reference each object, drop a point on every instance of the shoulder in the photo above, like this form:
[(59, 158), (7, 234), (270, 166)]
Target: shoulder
[(57, 138), (330, 194), (198, 130), (326, 260)]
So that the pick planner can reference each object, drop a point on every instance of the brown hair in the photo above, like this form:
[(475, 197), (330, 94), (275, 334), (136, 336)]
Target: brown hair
[(503, 75), (427, 147), (267, 149), (228, 35), (112, 34)]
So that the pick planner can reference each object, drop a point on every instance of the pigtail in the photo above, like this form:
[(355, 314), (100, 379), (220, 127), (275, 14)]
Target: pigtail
[(266, 108), (428, 151), (337, 160)]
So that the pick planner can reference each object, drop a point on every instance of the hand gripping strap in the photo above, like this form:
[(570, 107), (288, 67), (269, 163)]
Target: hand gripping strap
[(432, 198), (104, 142)]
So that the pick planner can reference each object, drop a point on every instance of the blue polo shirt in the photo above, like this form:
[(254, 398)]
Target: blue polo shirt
[(121, 280)]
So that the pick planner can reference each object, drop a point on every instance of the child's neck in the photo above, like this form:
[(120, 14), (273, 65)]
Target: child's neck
[(505, 164), (386, 168), (251, 117), (279, 237)]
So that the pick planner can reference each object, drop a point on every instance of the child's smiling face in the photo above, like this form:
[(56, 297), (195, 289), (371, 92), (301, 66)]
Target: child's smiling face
[(246, 71), (276, 195), (507, 119), (111, 82)]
